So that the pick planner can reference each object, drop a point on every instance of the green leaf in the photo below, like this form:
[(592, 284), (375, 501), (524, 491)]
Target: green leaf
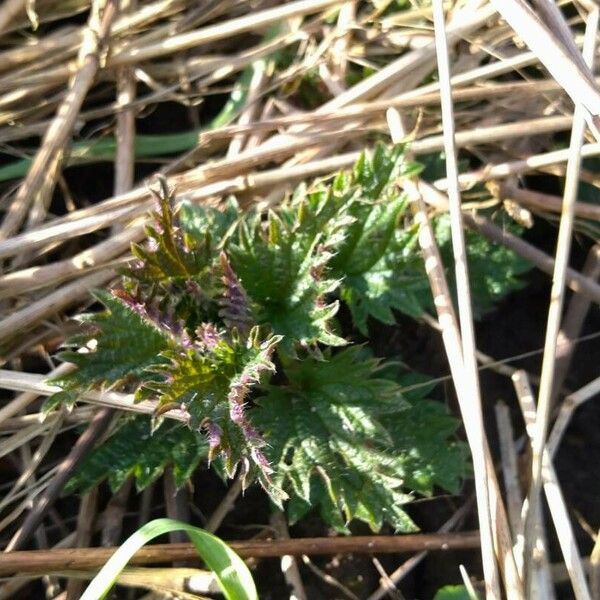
[(337, 441), (171, 255), (378, 260), (283, 267), (422, 431), (232, 574), (369, 236), (212, 381), (375, 205), (199, 220), (452, 592), (374, 171), (494, 270), (134, 450), (213, 384), (317, 240), (122, 343), (67, 399), (397, 281)]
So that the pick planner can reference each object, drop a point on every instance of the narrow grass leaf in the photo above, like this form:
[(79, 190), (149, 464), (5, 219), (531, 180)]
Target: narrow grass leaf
[(231, 572)]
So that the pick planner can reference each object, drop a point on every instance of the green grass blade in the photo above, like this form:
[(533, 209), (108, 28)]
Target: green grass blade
[(234, 577)]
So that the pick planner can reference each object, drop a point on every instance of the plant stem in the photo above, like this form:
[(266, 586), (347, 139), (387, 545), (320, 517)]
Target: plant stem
[(33, 561)]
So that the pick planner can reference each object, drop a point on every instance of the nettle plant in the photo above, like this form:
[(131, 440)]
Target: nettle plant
[(232, 317)]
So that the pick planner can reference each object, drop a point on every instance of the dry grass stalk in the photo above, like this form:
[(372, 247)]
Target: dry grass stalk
[(145, 505), (60, 232), (364, 110), (125, 130), (227, 29), (112, 518), (76, 417), (248, 115), (58, 134), (9, 10), (329, 580), (86, 517), (412, 562), (453, 346), (543, 577), (10, 444), (203, 72), (50, 583), (218, 174), (499, 67), (556, 503), (546, 40), (27, 497), (289, 566), (467, 333), (67, 41), (36, 384), (141, 48), (41, 202), (575, 315), (21, 402), (360, 110), (20, 580), (546, 202), (53, 303), (176, 505), (98, 256), (98, 425), (568, 407), (43, 197), (517, 167), (36, 561), (225, 506), (182, 583), (510, 469), (27, 476), (495, 133), (556, 305)]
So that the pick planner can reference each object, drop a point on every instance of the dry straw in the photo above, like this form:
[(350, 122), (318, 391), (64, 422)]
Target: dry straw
[(556, 304), (123, 64)]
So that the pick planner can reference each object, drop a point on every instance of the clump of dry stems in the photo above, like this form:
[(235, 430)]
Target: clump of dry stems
[(508, 76)]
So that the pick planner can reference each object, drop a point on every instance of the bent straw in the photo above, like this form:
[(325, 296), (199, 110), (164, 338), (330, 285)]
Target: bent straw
[(560, 60), (554, 497), (464, 306), (58, 134), (453, 346), (556, 306)]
